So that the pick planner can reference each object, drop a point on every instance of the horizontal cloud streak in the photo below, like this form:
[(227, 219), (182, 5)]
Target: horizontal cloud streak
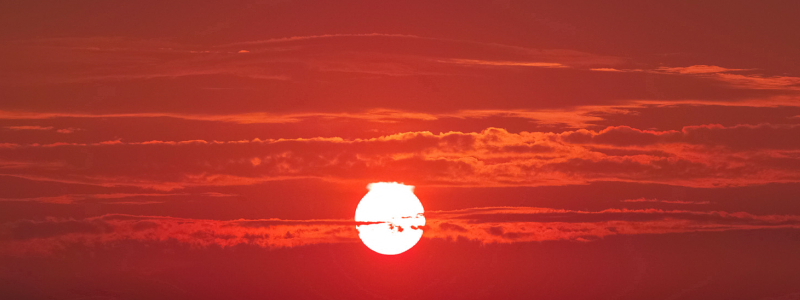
[(115, 59), (526, 224), (376, 115), (645, 200), (47, 236), (116, 198), (486, 225), (700, 156), (503, 63), (740, 137)]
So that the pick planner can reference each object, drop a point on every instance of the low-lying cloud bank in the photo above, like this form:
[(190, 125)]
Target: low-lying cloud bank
[(486, 225)]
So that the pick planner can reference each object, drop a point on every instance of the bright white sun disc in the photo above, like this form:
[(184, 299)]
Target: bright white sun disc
[(399, 214)]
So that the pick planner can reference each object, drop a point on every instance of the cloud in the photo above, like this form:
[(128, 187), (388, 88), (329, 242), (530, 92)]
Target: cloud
[(374, 115), (606, 70), (67, 130), (742, 81), (760, 81), (341, 77), (113, 198), (503, 63), (83, 60), (645, 200), (584, 116), (739, 137), (699, 156), (485, 225), (41, 128), (50, 235), (575, 117), (698, 69), (732, 78), (528, 224), (322, 36), (113, 59), (456, 46)]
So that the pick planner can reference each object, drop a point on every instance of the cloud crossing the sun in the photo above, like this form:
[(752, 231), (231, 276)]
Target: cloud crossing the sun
[(485, 225)]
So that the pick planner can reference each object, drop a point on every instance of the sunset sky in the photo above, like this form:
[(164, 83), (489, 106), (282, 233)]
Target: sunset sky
[(561, 149)]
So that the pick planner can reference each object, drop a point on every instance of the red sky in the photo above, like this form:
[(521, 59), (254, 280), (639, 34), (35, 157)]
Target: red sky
[(562, 150)]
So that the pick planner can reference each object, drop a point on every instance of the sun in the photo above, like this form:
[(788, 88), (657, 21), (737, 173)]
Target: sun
[(398, 214)]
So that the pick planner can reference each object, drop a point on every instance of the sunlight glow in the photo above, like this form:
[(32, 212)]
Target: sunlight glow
[(401, 215)]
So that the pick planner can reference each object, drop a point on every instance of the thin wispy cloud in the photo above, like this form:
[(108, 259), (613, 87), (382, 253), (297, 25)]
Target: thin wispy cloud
[(503, 63), (645, 200), (698, 69)]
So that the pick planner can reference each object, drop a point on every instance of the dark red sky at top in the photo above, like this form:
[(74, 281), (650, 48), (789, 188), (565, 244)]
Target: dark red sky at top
[(562, 150)]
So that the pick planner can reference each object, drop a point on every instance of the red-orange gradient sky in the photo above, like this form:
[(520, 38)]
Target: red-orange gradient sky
[(562, 149)]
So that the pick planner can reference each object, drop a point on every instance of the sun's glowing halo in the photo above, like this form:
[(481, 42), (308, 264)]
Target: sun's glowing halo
[(398, 214)]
